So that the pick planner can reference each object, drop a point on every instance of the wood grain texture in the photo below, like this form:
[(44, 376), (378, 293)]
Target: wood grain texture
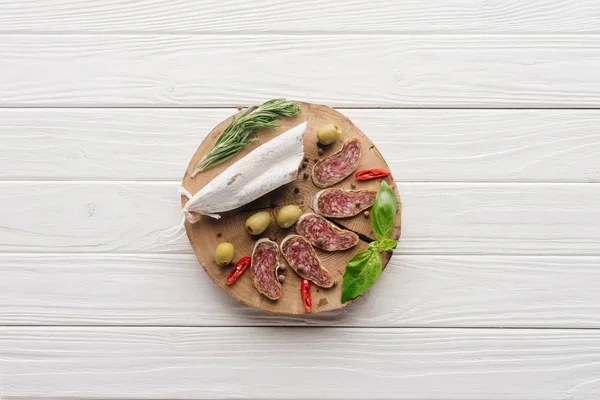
[(415, 291), (307, 16), (441, 218), (468, 71), (419, 145), (207, 233), (161, 363)]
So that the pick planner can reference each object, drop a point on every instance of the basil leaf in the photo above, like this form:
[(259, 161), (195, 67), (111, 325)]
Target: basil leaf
[(383, 212), (386, 244), (361, 272)]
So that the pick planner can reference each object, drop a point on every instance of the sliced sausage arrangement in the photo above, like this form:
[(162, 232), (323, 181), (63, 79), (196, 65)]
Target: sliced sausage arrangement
[(312, 228), (301, 256), (334, 168), (324, 234), (338, 203), (265, 262), (314, 231)]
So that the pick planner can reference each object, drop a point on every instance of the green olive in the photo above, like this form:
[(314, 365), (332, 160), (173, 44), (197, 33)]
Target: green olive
[(329, 133), (258, 223), (288, 215), (224, 253)]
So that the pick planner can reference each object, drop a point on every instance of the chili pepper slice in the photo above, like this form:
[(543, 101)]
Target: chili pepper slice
[(238, 269), (372, 173), (305, 293)]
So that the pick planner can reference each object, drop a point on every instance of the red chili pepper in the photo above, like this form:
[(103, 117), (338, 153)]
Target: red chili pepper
[(372, 173), (306, 297), (238, 269)]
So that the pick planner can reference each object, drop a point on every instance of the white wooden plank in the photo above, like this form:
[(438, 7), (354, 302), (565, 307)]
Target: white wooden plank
[(414, 291), (88, 217), (336, 16), (360, 70), (444, 218), (292, 363), (142, 144), (419, 145)]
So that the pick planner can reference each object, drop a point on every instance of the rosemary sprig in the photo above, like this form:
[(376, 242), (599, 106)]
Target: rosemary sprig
[(235, 137)]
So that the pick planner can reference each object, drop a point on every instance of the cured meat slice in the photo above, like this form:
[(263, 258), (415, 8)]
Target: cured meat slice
[(338, 203), (303, 259), (265, 262), (332, 169), (323, 234)]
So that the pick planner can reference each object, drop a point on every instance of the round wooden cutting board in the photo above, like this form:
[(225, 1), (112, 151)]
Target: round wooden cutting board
[(205, 234)]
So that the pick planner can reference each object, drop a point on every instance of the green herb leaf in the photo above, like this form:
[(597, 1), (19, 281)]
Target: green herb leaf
[(383, 212), (365, 267), (235, 137), (384, 245), (361, 272)]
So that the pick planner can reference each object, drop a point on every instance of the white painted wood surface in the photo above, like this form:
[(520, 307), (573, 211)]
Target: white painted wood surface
[(437, 218), (268, 362), (415, 291), (419, 145), (360, 70), (305, 16), (488, 112)]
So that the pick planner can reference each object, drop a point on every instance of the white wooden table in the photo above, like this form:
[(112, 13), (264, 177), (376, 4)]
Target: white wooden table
[(488, 112)]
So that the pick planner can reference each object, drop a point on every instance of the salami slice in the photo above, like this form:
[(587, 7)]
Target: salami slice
[(265, 262), (323, 234), (303, 259), (338, 203), (332, 169)]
